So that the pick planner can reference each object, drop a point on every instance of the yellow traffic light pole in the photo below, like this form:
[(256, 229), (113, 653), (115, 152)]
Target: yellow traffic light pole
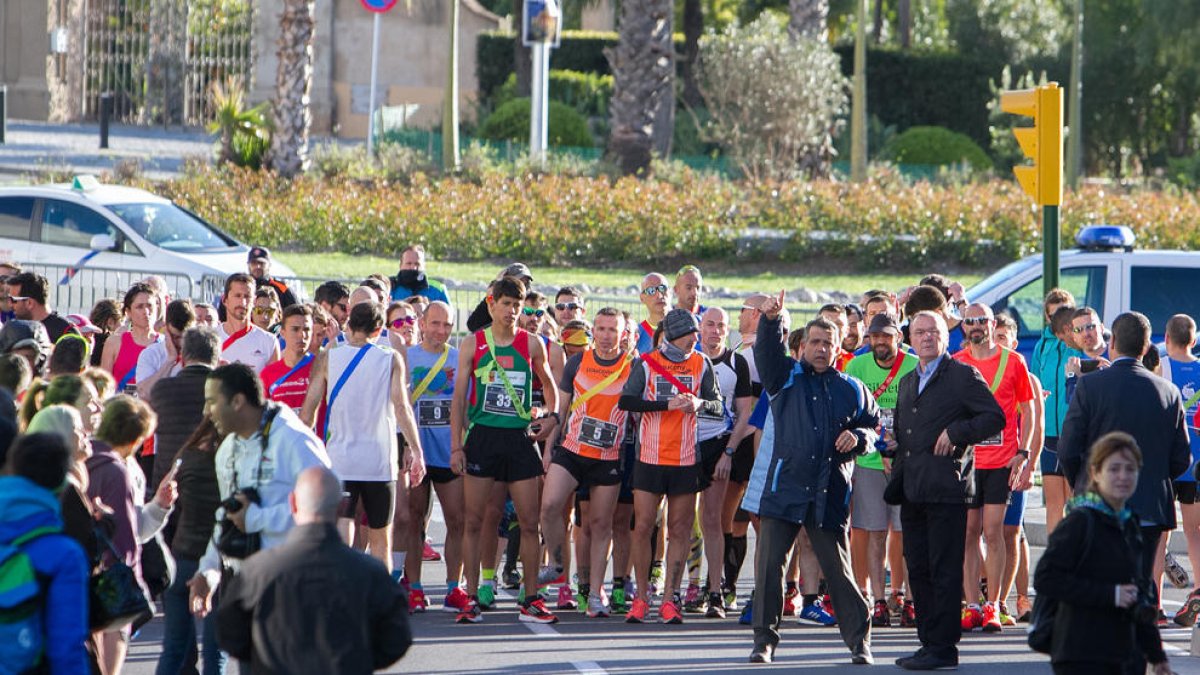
[(1043, 181)]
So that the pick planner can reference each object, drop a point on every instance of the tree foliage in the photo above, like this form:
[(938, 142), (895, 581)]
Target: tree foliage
[(773, 102)]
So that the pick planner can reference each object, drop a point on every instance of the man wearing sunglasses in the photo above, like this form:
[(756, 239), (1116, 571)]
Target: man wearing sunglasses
[(656, 297), (568, 306), (28, 293), (1002, 462)]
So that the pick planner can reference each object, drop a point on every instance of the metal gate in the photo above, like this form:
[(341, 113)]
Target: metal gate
[(158, 57)]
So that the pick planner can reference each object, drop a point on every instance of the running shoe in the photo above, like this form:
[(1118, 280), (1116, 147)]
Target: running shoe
[(716, 607), (1163, 620), (551, 575), (991, 618), (1186, 616), (429, 554), (895, 602), (1006, 619), (669, 613), (1176, 574), (656, 578), (827, 605), (535, 612), (816, 615), (617, 603), (747, 616), (908, 615), (566, 598), (417, 603), (1024, 608), (471, 614), (511, 579), (693, 600), (486, 596), (456, 600), (398, 578), (789, 602), (596, 608), (880, 616), (637, 613), (972, 618)]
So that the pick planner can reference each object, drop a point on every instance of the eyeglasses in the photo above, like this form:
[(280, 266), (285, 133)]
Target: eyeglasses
[(975, 321), (403, 321), (655, 290), (924, 332), (529, 311), (568, 306), (1083, 329)]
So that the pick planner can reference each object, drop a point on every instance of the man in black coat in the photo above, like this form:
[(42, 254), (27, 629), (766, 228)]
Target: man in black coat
[(943, 408), (1127, 397), (313, 604)]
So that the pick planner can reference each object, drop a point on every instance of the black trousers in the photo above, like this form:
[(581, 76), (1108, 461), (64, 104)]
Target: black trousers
[(934, 541)]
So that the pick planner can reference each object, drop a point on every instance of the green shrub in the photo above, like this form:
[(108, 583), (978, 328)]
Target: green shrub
[(936, 146), (511, 122), (588, 93)]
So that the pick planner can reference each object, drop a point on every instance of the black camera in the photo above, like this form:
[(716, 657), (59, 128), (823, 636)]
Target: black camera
[(234, 543), (1144, 611)]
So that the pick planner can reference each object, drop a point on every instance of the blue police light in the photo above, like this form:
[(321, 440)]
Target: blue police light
[(1105, 237)]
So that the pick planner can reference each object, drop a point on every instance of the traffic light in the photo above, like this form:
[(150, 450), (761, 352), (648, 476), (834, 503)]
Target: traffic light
[(1042, 142)]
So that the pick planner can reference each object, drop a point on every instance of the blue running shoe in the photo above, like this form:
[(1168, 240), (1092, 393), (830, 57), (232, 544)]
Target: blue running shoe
[(747, 617), (816, 615)]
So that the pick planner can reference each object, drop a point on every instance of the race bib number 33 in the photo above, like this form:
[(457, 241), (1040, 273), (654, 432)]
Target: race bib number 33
[(496, 399)]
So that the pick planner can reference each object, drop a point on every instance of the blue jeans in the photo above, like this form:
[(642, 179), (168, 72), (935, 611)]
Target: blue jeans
[(179, 632)]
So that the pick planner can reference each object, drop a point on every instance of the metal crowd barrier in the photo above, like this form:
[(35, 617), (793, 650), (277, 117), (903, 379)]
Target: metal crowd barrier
[(77, 291)]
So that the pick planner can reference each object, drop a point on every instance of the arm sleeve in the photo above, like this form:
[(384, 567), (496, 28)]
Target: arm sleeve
[(762, 408), (567, 384), (710, 391), (770, 355), (66, 611), (479, 318), (391, 635), (1056, 574), (110, 482), (982, 415), (631, 395), (151, 520), (235, 621), (865, 424)]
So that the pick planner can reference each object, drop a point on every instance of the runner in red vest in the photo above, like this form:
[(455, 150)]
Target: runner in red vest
[(242, 341)]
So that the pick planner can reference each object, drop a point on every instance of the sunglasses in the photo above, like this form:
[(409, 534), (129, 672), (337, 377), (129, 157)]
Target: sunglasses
[(976, 321), (18, 298), (565, 306), (529, 311), (264, 310), (403, 321), (655, 290), (1083, 329)]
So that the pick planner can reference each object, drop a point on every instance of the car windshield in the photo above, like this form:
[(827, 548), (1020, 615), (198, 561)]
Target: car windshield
[(169, 227), (1000, 276)]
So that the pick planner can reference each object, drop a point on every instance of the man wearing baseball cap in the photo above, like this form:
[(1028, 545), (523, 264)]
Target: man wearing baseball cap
[(669, 387), (258, 262)]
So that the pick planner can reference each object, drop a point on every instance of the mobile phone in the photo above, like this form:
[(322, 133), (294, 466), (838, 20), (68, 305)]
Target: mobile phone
[(174, 470), (1088, 365)]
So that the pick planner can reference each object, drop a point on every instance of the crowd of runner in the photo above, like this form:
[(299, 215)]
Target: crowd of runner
[(587, 459)]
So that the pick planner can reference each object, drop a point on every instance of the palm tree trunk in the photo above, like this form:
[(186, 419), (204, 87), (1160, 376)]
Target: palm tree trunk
[(904, 23), (293, 83), (693, 28), (522, 61), (643, 65)]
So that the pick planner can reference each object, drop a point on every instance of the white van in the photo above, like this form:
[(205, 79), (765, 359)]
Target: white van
[(92, 240), (1104, 273)]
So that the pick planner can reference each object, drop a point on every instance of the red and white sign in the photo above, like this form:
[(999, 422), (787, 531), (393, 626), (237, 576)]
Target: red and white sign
[(379, 6)]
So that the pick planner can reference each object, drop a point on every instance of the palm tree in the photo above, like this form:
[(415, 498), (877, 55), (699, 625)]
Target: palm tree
[(808, 18), (643, 66), (293, 83)]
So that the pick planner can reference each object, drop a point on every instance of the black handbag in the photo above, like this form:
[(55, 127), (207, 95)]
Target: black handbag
[(1045, 608), (115, 598), (893, 492)]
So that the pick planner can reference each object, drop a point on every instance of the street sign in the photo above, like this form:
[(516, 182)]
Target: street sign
[(380, 6), (542, 25)]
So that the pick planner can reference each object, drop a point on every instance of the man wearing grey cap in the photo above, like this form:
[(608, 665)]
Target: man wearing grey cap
[(480, 318), (669, 386)]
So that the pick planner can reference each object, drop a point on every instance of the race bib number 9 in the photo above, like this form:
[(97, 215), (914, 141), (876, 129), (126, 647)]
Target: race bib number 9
[(664, 391), (597, 433), (433, 413)]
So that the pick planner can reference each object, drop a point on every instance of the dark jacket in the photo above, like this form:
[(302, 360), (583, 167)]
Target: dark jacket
[(313, 605), (1081, 572), (1127, 397), (179, 403), (197, 505), (59, 564), (797, 465), (957, 400)]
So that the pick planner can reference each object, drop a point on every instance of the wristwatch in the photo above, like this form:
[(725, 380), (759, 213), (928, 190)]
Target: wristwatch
[(729, 452), (1023, 453)]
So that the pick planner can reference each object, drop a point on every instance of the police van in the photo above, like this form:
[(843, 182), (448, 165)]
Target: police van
[(1103, 272)]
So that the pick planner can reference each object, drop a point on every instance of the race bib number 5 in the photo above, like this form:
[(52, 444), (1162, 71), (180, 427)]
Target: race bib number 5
[(597, 433)]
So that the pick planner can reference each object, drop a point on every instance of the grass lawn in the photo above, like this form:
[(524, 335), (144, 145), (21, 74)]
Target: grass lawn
[(746, 278)]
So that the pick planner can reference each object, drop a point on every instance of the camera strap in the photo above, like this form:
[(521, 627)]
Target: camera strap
[(270, 412)]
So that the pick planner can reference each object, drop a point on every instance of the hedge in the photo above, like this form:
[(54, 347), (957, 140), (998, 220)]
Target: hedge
[(904, 88), (510, 122), (935, 146), (554, 219)]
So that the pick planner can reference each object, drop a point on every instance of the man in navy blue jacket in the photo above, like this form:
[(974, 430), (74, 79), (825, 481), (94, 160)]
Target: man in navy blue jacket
[(820, 421)]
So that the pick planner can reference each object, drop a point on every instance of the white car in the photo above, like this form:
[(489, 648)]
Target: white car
[(91, 241), (1104, 273)]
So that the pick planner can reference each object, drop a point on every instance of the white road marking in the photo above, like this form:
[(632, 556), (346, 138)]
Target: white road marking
[(589, 668), (543, 629)]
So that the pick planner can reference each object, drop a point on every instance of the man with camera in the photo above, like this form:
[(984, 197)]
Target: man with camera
[(265, 448)]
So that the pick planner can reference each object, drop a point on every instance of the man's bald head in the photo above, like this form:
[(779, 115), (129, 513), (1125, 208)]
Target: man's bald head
[(316, 497), (363, 294)]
